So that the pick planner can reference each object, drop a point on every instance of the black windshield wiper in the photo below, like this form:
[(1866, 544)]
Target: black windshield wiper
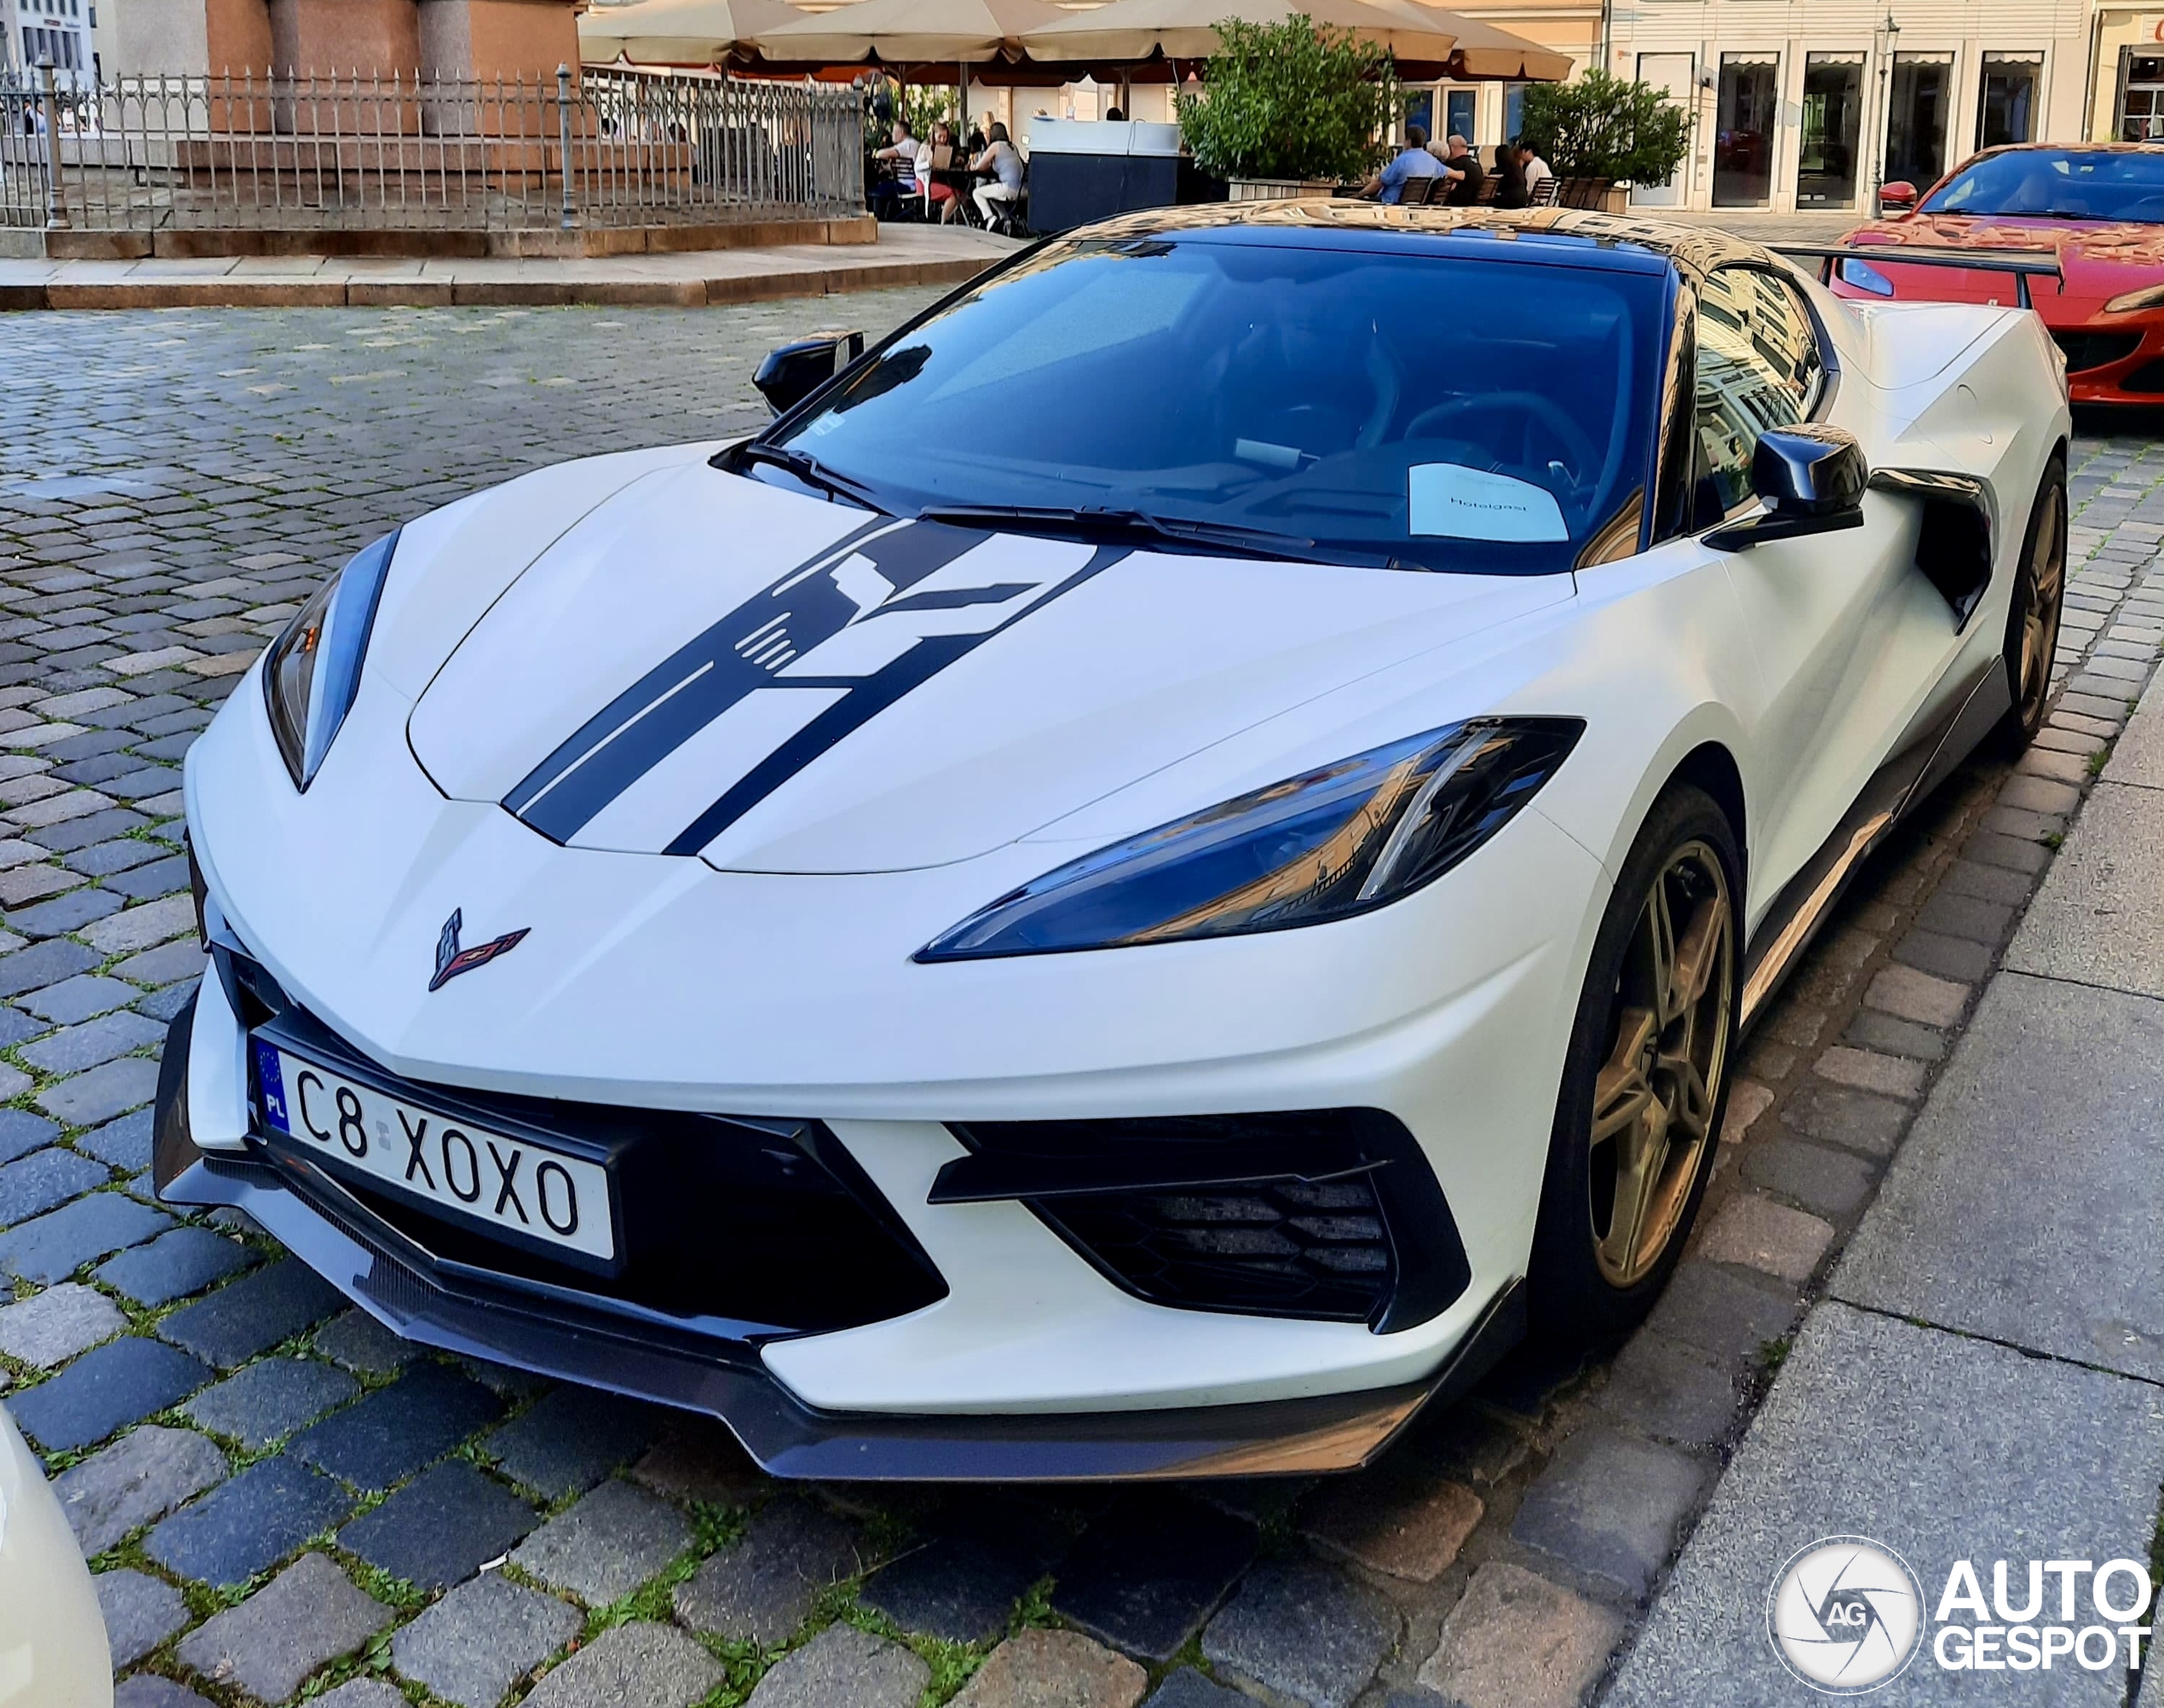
[(811, 471), (1096, 521)]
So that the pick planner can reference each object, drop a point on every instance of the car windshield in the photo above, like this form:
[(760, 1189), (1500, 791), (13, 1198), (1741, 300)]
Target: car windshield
[(2059, 184), (1420, 410)]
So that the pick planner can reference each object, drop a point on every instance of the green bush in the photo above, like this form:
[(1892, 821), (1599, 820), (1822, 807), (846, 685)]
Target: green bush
[(1602, 127), (1291, 101)]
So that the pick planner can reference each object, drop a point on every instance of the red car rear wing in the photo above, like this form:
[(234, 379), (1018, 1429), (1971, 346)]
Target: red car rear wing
[(2023, 264)]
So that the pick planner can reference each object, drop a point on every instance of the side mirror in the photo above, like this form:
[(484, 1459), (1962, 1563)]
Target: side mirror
[(1900, 193), (794, 371), (1811, 478)]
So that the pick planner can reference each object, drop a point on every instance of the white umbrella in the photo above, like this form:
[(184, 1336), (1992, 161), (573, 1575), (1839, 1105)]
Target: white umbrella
[(677, 32), (909, 31), (1486, 54), (1188, 29)]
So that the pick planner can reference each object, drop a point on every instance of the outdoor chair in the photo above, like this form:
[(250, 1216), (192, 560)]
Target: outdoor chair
[(1547, 190), (1415, 191)]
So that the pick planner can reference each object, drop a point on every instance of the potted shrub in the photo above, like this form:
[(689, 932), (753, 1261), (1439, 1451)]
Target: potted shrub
[(1601, 132), (1290, 109)]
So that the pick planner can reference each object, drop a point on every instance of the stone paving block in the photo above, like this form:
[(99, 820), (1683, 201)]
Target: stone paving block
[(1944, 957), (102, 859), (637, 1666), (136, 1482), (572, 1438), (1467, 1443), (1870, 1030), (1747, 1100), (1724, 1313), (1052, 1669), (1985, 882), (1835, 1184), (75, 1048), (249, 1523), (98, 1095), (1955, 915), (307, 1615), (175, 1265), (1517, 1640), (163, 1005), (140, 1612), (261, 1402), (843, 1664), (141, 927), (181, 960), (761, 1589), (21, 1131), (441, 1527), (77, 998), (63, 913), (1670, 1390), (699, 1459), (474, 1644), (606, 1546), (356, 1340), (1890, 1076), (1842, 1115), (1608, 1506), (395, 1430), (1975, 1226), (1757, 1233), (1393, 1518), (43, 1180), (1301, 1632), (951, 1588), (114, 1384), (149, 1690), (252, 1315), (1185, 1688), (79, 833), (1978, 1453), (51, 1327), (362, 1693), (144, 882), (52, 1247), (1146, 1575), (43, 965), (1917, 995)]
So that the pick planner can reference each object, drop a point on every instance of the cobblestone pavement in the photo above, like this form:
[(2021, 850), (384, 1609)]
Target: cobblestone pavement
[(282, 1500)]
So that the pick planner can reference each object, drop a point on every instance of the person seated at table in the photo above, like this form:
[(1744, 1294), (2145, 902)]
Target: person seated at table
[(1535, 169), (941, 159), (975, 141), (1001, 169), (901, 161), (1463, 167), (1510, 178), (1113, 115), (1413, 162)]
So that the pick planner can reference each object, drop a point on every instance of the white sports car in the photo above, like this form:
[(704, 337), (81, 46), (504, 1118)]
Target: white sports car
[(1172, 854)]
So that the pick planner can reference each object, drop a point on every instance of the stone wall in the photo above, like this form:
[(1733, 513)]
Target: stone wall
[(484, 38)]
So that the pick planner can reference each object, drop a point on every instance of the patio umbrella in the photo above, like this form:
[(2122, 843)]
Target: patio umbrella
[(1485, 54), (909, 31), (677, 32), (1138, 30)]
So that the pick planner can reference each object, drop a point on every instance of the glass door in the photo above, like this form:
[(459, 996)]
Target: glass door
[(1675, 75), (2007, 112), (1916, 118), (1743, 130), (1832, 121)]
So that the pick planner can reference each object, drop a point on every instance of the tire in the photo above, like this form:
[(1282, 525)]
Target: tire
[(1645, 1078), (2033, 614)]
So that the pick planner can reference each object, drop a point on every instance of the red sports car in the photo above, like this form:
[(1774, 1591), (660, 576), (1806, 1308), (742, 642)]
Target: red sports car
[(2099, 207)]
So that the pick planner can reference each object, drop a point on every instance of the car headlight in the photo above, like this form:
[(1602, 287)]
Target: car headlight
[(1324, 845), (1866, 277), (2133, 301), (313, 670)]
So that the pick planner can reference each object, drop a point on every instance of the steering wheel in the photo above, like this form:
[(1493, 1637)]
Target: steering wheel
[(1522, 403)]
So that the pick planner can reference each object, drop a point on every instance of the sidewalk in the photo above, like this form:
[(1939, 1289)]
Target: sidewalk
[(1983, 1379), (906, 254)]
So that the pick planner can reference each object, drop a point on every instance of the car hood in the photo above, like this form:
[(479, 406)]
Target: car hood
[(702, 664), (2100, 259)]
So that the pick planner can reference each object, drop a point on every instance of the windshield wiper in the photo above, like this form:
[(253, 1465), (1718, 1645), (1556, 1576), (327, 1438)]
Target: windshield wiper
[(811, 471), (1101, 521)]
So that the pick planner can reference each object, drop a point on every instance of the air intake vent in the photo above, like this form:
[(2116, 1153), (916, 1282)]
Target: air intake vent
[(2086, 350)]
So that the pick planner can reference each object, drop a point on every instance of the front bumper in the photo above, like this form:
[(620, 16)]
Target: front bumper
[(461, 1309)]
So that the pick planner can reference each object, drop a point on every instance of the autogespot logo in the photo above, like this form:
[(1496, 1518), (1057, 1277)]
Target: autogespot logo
[(1845, 1615)]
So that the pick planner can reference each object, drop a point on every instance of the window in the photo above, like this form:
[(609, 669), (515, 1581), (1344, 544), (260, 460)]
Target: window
[(1746, 121), (1458, 114), (2141, 99), (1916, 120), (1513, 111), (1759, 366), (1833, 105), (2007, 112)]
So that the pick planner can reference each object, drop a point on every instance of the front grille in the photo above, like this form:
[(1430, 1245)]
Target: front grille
[(2086, 350), (1332, 1215), (2146, 381), (768, 1225)]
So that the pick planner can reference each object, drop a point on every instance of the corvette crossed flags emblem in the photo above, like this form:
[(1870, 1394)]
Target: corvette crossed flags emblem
[(451, 960)]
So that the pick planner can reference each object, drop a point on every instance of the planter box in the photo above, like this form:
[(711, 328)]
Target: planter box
[(1277, 189)]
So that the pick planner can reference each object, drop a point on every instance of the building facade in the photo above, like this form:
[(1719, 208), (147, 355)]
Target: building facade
[(1808, 106)]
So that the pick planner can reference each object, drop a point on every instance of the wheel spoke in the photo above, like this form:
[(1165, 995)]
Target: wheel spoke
[(1622, 1092), (1660, 950), (1698, 955), (1638, 1165), (1689, 1102)]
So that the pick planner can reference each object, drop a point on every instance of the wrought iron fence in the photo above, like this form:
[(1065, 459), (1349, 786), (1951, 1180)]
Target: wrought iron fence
[(600, 146)]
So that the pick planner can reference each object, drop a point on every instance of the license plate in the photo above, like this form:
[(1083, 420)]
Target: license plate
[(505, 1185)]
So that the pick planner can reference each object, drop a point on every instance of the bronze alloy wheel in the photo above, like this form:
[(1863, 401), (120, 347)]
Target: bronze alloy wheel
[(1658, 1088), (2043, 586)]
